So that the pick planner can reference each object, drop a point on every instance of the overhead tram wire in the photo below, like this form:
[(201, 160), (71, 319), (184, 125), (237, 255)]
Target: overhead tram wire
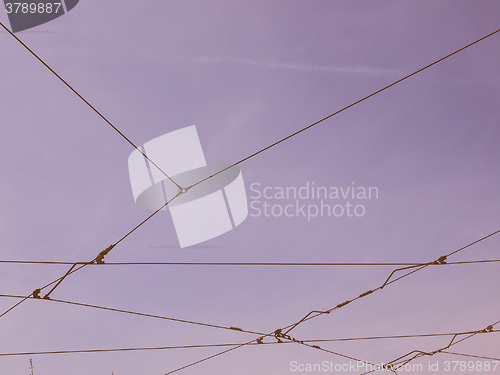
[(347, 107), (225, 352), (182, 190), (232, 328), (442, 260), (471, 355), (400, 361), (249, 264), (200, 346), (315, 313), (266, 148), (136, 313), (234, 346), (87, 103), (311, 315), (98, 259)]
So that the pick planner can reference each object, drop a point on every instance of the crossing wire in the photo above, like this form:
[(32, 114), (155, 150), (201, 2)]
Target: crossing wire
[(311, 315), (315, 313), (86, 102), (471, 355), (349, 106), (282, 334), (247, 264), (232, 328), (201, 346), (400, 361), (72, 270), (182, 190), (129, 312), (252, 155)]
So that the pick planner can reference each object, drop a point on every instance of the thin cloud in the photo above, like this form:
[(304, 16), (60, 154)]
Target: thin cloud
[(296, 66)]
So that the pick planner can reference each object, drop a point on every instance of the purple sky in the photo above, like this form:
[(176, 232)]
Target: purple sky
[(248, 73)]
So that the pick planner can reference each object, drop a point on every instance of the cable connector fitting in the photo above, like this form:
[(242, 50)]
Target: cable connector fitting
[(278, 334), (343, 304), (36, 293), (488, 329), (235, 328), (441, 260), (259, 340), (100, 258), (365, 294)]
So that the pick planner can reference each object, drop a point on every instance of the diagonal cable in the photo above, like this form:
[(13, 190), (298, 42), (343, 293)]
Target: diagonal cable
[(414, 354), (86, 102), (281, 333), (349, 106), (471, 355), (98, 259), (252, 264), (136, 313), (198, 346), (441, 260)]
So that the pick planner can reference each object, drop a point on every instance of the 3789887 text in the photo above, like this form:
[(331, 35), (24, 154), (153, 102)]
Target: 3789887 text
[(476, 366), (32, 8)]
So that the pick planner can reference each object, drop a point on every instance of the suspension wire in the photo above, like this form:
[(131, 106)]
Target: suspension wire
[(279, 334), (441, 260), (237, 329), (253, 342), (99, 259), (349, 106), (83, 351), (136, 313), (246, 264), (312, 314), (401, 361), (234, 346), (209, 357), (87, 103), (242, 160), (309, 316), (471, 355)]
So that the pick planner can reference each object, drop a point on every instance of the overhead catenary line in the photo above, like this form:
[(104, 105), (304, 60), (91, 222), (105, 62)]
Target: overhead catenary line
[(471, 355), (441, 260), (201, 346), (136, 313), (349, 106), (233, 328), (282, 333), (249, 264), (84, 264), (311, 315), (98, 259), (183, 190), (414, 354), (86, 102), (274, 144), (239, 329)]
